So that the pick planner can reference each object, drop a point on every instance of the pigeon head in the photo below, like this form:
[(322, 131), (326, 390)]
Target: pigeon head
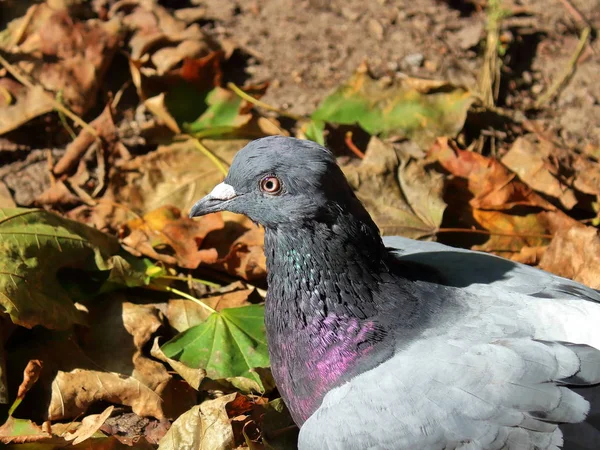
[(279, 182)]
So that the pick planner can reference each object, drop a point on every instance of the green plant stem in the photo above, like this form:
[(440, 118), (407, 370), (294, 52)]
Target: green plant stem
[(197, 280), (210, 155), (187, 297), (260, 104)]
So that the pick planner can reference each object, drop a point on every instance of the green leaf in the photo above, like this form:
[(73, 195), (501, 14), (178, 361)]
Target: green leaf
[(314, 130), (48, 261), (222, 115), (421, 110), (229, 345)]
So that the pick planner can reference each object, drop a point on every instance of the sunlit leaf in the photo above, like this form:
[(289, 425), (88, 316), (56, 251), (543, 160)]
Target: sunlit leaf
[(415, 108), (44, 256), (230, 344)]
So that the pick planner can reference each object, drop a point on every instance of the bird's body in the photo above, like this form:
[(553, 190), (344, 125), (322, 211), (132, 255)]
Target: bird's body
[(415, 345)]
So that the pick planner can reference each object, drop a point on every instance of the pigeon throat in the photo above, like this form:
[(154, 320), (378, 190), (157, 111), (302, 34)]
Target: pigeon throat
[(322, 313)]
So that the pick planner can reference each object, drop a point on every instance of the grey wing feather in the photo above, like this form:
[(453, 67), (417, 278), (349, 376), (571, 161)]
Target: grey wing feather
[(457, 395), (466, 267)]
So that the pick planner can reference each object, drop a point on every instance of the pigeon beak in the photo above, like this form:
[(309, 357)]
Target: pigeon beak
[(215, 201)]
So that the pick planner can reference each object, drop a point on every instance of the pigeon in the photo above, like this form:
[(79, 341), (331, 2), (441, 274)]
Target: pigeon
[(392, 343)]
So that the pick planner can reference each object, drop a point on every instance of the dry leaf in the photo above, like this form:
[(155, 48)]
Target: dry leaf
[(178, 175), (30, 376), (29, 104), (246, 258), (165, 235), (6, 200), (66, 55), (587, 175), (530, 161), (74, 391), (193, 376), (575, 253), (402, 199), (515, 215), (89, 425), (204, 427)]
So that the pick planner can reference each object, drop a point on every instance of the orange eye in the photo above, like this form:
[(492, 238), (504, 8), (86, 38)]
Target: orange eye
[(270, 185)]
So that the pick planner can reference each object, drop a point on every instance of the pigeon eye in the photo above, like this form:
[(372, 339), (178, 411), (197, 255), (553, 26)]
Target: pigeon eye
[(270, 185)]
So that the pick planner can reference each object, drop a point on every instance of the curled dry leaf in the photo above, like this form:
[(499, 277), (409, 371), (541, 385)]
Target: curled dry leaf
[(107, 136), (167, 39), (165, 235), (204, 427), (89, 425), (575, 253), (530, 160), (30, 377), (193, 376), (402, 199)]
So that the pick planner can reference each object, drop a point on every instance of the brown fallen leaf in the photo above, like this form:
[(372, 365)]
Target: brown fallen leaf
[(165, 235), (178, 174), (64, 54), (30, 376), (6, 200), (29, 103), (530, 161), (204, 427), (575, 253), (404, 198), (587, 175), (89, 425), (246, 258), (193, 376), (107, 137), (84, 387), (514, 214)]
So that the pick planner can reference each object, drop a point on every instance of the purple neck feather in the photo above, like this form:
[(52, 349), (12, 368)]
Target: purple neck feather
[(321, 311)]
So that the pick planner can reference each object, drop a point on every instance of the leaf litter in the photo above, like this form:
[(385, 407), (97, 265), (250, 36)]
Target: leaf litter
[(134, 112)]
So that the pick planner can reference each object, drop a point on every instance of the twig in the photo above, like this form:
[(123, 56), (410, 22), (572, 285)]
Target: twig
[(210, 155), (57, 105), (63, 119), (260, 104), (197, 280), (569, 69), (353, 147), (574, 12)]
